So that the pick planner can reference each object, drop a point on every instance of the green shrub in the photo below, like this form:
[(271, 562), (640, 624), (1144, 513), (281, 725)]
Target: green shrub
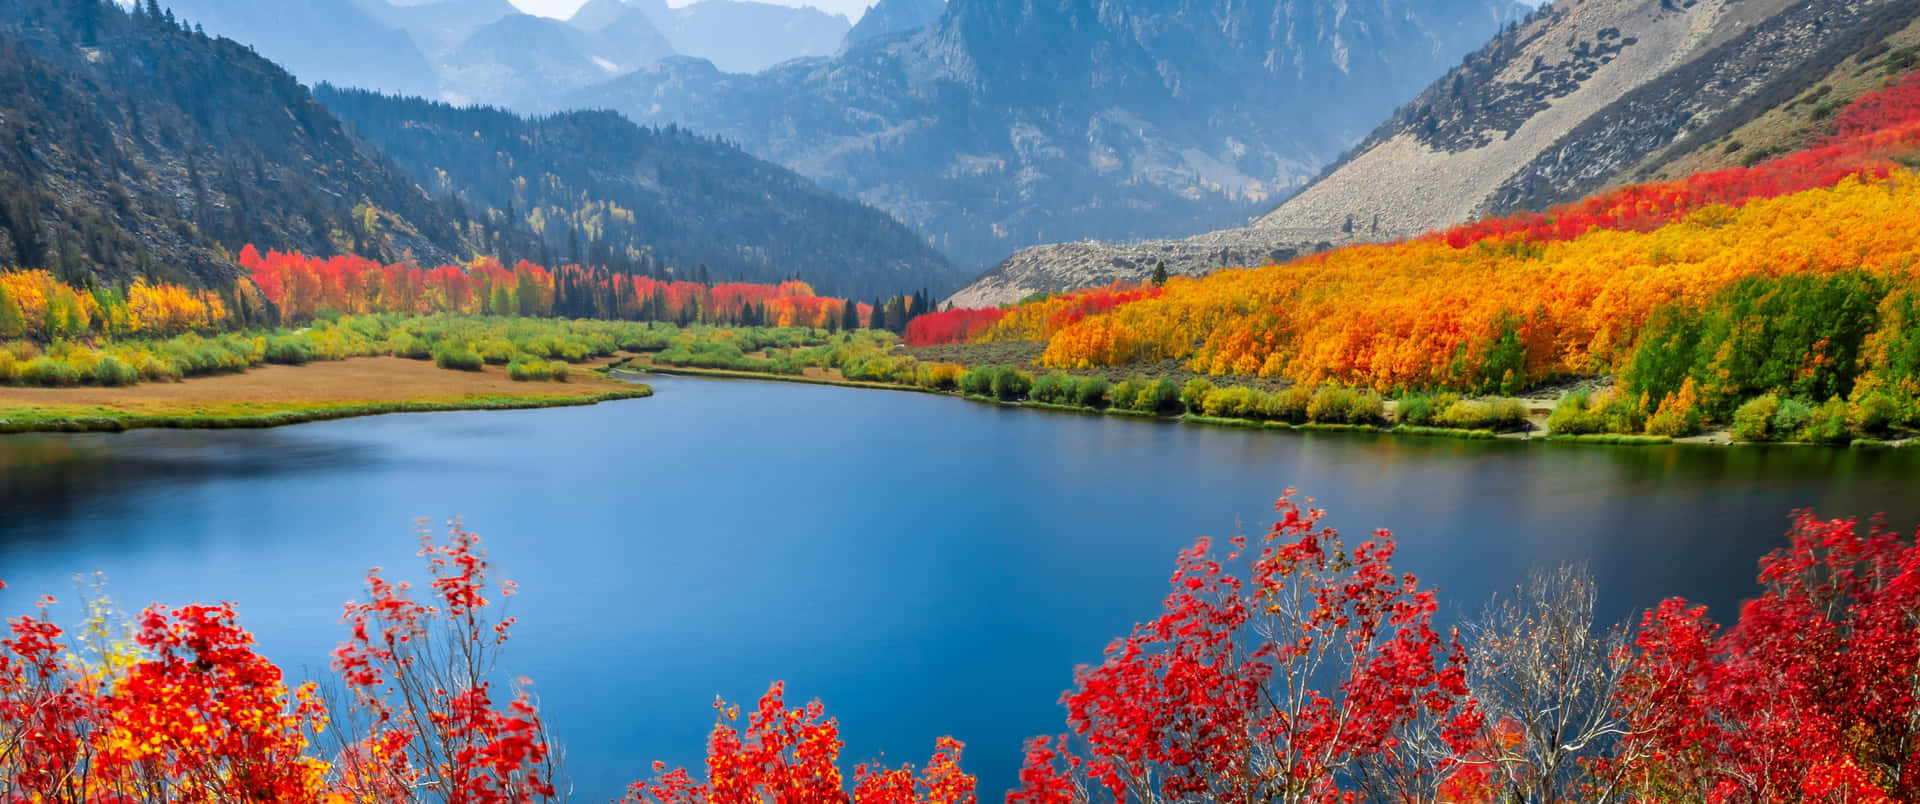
[(111, 371), (978, 381), (1573, 415), (1194, 395), (1792, 417), (9, 368), (289, 350), (1873, 412), (1334, 404), (1753, 421), (1497, 415), (1238, 402), (1163, 396), (1126, 393), (1010, 384), (459, 358), (1828, 424), (496, 351), (50, 373), (405, 345), (1055, 388), (1091, 392), (1291, 405)]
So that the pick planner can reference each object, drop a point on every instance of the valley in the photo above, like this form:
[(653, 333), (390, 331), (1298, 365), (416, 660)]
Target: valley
[(1465, 401)]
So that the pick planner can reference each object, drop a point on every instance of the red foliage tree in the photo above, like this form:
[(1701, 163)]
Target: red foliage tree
[(1810, 696), (788, 756), (1291, 669)]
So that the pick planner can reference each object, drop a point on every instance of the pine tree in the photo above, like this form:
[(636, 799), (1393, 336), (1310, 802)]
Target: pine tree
[(849, 316), (1160, 272)]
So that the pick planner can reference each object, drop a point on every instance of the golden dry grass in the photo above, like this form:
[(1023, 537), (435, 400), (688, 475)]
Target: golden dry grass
[(371, 383)]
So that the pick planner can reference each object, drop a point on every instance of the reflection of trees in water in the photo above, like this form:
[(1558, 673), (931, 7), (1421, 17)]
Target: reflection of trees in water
[(50, 479)]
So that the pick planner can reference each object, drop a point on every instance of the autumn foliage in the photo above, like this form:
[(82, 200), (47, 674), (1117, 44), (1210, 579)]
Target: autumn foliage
[(301, 286), (1292, 667), (790, 756), (1500, 305)]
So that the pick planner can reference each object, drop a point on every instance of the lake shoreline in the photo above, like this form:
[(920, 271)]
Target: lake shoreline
[(1404, 431)]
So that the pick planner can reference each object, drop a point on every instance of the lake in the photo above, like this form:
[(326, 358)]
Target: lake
[(921, 564)]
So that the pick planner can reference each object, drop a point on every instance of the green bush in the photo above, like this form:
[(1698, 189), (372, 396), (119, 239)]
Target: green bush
[(1238, 402), (1010, 384), (1790, 419), (1753, 421), (50, 373), (1420, 410), (405, 345), (978, 381), (1497, 415), (459, 358), (1334, 404), (1163, 396), (1126, 393), (1194, 395), (496, 351), (1828, 424), (1055, 388), (1291, 405), (111, 371), (1091, 392), (289, 350), (1873, 412)]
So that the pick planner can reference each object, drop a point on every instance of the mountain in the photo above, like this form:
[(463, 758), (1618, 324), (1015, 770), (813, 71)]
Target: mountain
[(740, 36), (892, 17), (1014, 122), (439, 26), (134, 147), (604, 190), (628, 40), (319, 40), (518, 59), (1583, 95)]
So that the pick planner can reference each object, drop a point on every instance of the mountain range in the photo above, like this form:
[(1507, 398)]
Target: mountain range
[(1007, 123), (1583, 95), (132, 146)]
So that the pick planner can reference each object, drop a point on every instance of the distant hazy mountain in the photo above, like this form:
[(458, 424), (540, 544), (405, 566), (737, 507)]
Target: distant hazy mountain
[(515, 60), (1584, 94), (600, 188), (746, 37), (319, 40), (1014, 122), (439, 26), (891, 17)]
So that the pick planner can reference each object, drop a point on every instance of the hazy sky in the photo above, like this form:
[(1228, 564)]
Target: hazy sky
[(565, 8)]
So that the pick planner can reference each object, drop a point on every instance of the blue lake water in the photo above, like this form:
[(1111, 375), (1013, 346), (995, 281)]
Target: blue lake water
[(923, 565)]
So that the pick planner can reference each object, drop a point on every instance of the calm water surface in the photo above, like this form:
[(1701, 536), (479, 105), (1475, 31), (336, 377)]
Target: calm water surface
[(923, 565)]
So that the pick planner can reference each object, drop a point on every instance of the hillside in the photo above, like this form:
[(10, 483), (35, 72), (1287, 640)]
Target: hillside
[(135, 147), (603, 190), (1010, 123), (1583, 95), (1790, 280)]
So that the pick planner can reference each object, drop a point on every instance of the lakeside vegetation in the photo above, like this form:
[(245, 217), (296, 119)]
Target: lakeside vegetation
[(1293, 647), (1788, 285)]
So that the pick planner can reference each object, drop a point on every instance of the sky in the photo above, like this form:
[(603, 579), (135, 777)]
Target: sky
[(565, 8)]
